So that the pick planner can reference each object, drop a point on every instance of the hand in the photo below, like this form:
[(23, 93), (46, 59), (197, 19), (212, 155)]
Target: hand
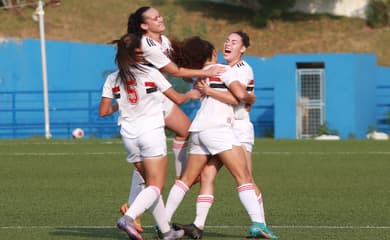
[(202, 87), (216, 71), (252, 98)]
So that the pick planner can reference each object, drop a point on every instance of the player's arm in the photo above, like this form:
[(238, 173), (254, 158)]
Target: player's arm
[(106, 108), (176, 71), (223, 96), (180, 98), (154, 56), (239, 91)]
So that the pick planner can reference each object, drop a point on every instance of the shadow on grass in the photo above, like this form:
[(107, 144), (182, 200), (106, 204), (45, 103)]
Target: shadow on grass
[(113, 233)]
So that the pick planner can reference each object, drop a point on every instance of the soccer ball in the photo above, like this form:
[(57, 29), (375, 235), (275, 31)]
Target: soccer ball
[(78, 133)]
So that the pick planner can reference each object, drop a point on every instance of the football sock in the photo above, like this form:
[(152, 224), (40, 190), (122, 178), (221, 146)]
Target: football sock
[(203, 205), (136, 186), (159, 215), (179, 149), (143, 201), (260, 201), (176, 195), (248, 199)]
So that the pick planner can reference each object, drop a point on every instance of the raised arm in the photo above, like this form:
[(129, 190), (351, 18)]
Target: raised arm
[(176, 71), (180, 98)]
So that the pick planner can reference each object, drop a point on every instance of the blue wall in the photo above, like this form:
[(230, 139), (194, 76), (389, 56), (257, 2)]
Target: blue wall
[(357, 91), (76, 73), (349, 93), (383, 98)]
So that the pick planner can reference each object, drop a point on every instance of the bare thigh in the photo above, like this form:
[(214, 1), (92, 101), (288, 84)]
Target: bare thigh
[(235, 162), (178, 122), (155, 170)]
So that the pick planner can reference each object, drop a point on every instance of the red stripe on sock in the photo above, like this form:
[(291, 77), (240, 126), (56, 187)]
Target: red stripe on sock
[(206, 199), (245, 187), (182, 185)]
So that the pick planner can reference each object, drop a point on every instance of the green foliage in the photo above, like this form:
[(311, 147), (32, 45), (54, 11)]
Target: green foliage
[(270, 9), (269, 133), (352, 136), (378, 13), (325, 130), (371, 129)]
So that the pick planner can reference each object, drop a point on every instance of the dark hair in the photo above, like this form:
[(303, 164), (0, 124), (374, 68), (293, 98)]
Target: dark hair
[(244, 38), (191, 52), (135, 20), (126, 56)]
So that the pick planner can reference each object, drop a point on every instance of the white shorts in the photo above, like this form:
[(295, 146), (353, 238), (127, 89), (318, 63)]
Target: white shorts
[(244, 131), (213, 141), (148, 145), (167, 105)]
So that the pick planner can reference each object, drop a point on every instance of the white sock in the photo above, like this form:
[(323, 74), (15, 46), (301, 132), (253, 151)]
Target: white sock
[(160, 216), (247, 195), (179, 149), (176, 195), (136, 186), (143, 201), (203, 205), (260, 201)]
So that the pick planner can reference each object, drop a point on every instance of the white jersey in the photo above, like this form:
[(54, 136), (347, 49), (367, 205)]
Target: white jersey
[(244, 74), (214, 113), (243, 127), (140, 107), (155, 52)]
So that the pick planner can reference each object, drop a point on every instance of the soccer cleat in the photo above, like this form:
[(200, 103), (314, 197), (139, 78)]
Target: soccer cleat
[(260, 230), (173, 234), (137, 221), (158, 231), (126, 224), (190, 230)]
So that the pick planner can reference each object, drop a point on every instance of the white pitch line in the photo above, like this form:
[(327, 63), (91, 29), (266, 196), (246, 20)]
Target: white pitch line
[(123, 152), (208, 227)]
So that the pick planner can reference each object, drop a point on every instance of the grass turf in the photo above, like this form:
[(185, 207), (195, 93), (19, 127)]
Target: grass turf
[(72, 189)]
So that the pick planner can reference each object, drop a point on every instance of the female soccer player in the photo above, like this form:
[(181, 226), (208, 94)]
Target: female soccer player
[(212, 135), (234, 48), (147, 23), (138, 90)]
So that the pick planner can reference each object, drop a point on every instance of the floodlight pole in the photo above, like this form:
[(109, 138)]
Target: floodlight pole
[(40, 14)]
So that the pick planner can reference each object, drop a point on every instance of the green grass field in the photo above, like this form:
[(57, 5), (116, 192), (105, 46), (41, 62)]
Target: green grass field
[(72, 189)]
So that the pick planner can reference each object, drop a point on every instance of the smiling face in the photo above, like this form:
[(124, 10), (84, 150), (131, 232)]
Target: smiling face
[(233, 49), (153, 22)]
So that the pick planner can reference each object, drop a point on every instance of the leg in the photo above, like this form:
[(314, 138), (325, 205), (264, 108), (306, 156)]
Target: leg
[(177, 121), (196, 162), (205, 198)]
